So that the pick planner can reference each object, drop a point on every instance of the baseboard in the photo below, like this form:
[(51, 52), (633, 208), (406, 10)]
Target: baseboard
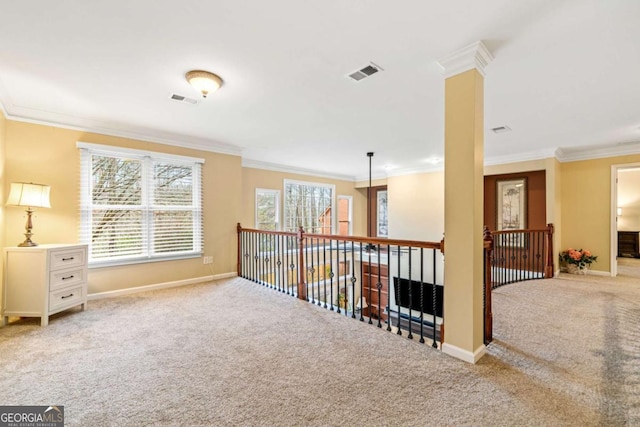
[(599, 273), (175, 283), (589, 273), (464, 355)]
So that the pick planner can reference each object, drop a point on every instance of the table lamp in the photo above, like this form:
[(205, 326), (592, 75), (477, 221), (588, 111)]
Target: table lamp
[(31, 196)]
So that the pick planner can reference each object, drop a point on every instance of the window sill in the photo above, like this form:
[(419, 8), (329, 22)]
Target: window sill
[(144, 260)]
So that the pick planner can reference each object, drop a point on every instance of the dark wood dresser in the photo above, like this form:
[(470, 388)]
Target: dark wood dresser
[(628, 243), (376, 301)]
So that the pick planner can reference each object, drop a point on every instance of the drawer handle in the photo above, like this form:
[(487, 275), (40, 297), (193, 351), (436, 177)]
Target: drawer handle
[(68, 259), (68, 296), (68, 277)]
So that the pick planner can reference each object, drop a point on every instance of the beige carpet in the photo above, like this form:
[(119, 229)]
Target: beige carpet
[(629, 267), (233, 353)]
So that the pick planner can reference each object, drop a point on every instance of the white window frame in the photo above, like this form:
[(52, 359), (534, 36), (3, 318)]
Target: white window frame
[(379, 207), (332, 187), (147, 158), (350, 219), (276, 193)]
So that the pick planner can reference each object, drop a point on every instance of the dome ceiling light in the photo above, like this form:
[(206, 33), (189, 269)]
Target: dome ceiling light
[(204, 81)]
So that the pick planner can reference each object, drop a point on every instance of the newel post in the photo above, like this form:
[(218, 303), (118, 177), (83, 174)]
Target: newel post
[(488, 313), (302, 286), (549, 268), (239, 259)]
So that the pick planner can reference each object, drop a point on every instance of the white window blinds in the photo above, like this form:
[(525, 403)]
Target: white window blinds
[(139, 206)]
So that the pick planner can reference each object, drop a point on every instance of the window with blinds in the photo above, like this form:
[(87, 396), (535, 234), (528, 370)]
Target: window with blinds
[(139, 206)]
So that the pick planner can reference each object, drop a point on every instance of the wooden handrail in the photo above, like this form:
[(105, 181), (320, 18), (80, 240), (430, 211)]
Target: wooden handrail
[(526, 230), (275, 233), (373, 240)]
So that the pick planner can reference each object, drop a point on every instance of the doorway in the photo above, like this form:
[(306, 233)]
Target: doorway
[(625, 220)]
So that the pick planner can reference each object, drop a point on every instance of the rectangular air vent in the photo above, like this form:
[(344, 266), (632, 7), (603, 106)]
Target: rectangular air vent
[(181, 98), (369, 69), (364, 72), (357, 76), (501, 129)]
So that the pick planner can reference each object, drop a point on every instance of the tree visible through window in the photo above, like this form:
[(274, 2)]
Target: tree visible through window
[(267, 209), (138, 207), (308, 205)]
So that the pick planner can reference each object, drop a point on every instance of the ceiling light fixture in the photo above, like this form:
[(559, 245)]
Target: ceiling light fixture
[(433, 160), (204, 81)]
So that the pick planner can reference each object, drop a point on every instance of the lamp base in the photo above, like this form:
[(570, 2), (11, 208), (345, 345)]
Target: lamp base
[(27, 241), (28, 228)]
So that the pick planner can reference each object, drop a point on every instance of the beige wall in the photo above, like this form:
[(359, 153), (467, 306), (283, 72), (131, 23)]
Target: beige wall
[(259, 178), (416, 206), (48, 155), (586, 206), (554, 175), (3, 125)]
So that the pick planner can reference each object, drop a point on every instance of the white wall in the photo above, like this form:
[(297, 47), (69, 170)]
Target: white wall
[(416, 206), (416, 212)]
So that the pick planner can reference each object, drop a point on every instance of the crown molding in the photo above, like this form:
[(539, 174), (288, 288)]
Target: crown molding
[(489, 161), (474, 56), (520, 157), (572, 154), (3, 111), (257, 164), (412, 171), (93, 126)]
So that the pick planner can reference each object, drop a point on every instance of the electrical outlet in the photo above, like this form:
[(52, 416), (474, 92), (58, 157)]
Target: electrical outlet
[(207, 260)]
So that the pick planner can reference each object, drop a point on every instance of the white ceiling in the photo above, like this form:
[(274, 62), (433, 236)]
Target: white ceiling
[(566, 74)]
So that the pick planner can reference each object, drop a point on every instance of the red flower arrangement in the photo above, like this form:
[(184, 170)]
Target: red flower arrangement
[(580, 258)]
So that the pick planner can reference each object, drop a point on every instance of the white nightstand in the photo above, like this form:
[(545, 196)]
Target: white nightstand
[(43, 280)]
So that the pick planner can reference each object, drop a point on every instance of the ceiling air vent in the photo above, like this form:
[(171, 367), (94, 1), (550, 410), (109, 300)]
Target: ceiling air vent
[(364, 72), (183, 99), (501, 129)]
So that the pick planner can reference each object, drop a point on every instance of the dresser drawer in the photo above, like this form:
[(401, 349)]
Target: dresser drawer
[(69, 258), (65, 298), (374, 269), (65, 278)]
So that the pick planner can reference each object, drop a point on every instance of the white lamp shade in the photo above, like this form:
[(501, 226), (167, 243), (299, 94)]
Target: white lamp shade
[(204, 81), (29, 194)]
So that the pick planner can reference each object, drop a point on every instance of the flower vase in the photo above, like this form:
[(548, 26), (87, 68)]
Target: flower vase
[(574, 269)]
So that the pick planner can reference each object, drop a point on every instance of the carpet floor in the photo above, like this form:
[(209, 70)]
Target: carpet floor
[(566, 352)]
